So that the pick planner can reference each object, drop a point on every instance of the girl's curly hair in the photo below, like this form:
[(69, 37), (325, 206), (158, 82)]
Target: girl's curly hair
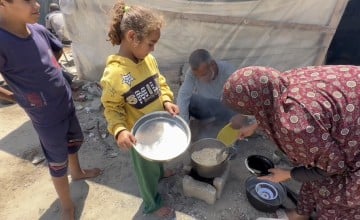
[(124, 18)]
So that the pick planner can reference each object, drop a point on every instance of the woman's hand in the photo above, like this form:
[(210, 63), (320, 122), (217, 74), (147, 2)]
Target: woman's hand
[(247, 131), (171, 108), (244, 125), (238, 121), (277, 175), (125, 140)]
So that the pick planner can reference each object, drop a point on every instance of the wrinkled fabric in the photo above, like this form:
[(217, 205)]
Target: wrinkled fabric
[(33, 74), (312, 115)]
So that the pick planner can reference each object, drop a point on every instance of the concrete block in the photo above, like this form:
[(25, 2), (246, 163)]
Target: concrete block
[(199, 190), (219, 182)]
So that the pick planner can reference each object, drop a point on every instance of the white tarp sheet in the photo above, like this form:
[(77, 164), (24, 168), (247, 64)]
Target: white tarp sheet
[(278, 33)]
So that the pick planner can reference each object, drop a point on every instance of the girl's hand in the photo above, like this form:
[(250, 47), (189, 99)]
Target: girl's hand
[(171, 108), (125, 140), (277, 175)]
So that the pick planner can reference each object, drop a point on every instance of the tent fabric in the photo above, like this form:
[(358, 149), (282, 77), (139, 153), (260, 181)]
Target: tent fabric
[(279, 33)]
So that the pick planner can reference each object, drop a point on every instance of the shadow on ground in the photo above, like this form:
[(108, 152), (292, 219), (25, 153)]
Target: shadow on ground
[(118, 175), (79, 191)]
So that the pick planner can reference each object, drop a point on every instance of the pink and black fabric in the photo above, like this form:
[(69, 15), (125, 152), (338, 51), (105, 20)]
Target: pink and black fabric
[(313, 116)]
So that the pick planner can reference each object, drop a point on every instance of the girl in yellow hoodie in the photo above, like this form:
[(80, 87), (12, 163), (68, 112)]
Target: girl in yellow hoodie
[(132, 87)]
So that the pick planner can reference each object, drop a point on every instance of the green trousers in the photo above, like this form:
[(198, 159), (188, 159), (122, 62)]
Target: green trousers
[(148, 174)]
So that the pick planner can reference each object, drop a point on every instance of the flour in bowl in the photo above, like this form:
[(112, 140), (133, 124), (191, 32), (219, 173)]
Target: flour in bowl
[(161, 140), (207, 156)]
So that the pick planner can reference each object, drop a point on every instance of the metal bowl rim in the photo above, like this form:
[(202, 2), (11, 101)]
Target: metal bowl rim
[(163, 114)]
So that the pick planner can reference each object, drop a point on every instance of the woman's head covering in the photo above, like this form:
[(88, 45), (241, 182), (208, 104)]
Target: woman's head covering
[(308, 111), (255, 91)]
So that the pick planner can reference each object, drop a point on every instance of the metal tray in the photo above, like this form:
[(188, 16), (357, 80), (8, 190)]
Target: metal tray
[(161, 136)]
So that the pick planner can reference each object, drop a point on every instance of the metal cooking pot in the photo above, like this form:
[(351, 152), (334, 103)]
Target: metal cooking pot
[(208, 171)]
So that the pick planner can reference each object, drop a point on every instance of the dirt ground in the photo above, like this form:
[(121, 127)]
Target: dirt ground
[(26, 190)]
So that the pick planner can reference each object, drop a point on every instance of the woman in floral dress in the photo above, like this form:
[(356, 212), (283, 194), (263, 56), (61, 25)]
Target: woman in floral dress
[(313, 115)]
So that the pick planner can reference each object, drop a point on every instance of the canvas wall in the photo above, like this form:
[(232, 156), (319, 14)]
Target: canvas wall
[(278, 33)]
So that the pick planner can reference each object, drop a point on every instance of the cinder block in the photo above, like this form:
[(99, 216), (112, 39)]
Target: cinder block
[(219, 182), (199, 190)]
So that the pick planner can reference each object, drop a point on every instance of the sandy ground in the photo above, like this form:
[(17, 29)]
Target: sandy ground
[(26, 190)]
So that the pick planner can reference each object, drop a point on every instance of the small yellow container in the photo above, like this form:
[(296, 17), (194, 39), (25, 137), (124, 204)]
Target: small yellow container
[(228, 135)]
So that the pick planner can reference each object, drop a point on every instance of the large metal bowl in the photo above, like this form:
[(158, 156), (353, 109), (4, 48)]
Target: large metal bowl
[(161, 136)]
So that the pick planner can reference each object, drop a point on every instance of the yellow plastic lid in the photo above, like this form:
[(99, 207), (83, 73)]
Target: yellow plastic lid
[(228, 135)]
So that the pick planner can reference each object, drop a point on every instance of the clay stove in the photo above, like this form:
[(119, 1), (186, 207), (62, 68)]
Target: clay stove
[(206, 189)]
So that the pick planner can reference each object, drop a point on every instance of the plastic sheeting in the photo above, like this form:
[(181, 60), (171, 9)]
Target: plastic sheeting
[(279, 33)]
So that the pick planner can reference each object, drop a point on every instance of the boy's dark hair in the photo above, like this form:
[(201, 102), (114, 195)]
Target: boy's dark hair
[(198, 57), (54, 7), (124, 18)]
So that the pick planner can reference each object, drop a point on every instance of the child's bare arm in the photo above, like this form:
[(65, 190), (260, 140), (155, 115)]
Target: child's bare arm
[(6, 95)]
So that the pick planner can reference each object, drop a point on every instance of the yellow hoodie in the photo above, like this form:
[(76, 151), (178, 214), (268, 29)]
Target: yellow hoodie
[(131, 90)]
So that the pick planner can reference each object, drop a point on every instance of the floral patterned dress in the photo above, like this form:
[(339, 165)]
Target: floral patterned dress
[(313, 116)]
